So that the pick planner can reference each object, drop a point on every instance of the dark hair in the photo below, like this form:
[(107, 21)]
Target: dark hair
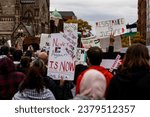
[(4, 50), (25, 61), (17, 55), (78, 70), (34, 79), (12, 50), (94, 55), (29, 53), (136, 58)]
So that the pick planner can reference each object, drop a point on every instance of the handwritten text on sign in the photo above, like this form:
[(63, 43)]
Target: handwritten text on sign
[(105, 28), (62, 58), (71, 29)]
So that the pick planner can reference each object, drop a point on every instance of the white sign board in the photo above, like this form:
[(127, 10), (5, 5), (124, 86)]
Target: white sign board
[(45, 42), (61, 63), (105, 28), (90, 42), (81, 56), (110, 63), (105, 44), (71, 30)]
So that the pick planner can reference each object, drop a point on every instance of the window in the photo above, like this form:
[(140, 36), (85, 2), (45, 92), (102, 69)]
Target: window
[(27, 1)]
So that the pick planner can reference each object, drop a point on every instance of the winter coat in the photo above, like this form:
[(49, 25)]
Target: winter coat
[(129, 86), (9, 78), (60, 92), (32, 94)]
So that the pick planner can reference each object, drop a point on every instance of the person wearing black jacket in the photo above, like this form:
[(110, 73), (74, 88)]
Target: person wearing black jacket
[(132, 80)]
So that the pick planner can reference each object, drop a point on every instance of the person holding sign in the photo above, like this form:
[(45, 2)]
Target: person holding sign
[(94, 59)]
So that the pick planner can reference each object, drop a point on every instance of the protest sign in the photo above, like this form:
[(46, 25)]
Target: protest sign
[(105, 28), (117, 44), (81, 56), (90, 42), (116, 63), (71, 29), (61, 63), (45, 42), (110, 64)]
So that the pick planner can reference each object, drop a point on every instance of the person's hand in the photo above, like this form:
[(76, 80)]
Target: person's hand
[(112, 39), (62, 82)]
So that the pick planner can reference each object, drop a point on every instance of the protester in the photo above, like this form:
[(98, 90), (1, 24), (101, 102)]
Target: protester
[(5, 50), (92, 86), (110, 53), (11, 51), (133, 76), (17, 57), (24, 64), (29, 53), (60, 88), (34, 87), (94, 59), (9, 78), (44, 57)]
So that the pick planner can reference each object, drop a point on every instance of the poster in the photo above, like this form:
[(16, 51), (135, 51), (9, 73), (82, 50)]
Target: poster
[(71, 30), (45, 42), (117, 44), (81, 56), (105, 28), (61, 62), (90, 42)]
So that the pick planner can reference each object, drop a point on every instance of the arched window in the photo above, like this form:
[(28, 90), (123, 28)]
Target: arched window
[(27, 18)]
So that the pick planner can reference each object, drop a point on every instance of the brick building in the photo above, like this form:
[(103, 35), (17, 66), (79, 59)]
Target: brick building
[(142, 17), (23, 18), (148, 22)]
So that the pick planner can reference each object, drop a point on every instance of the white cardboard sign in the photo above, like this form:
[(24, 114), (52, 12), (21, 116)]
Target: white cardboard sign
[(105, 28), (61, 63)]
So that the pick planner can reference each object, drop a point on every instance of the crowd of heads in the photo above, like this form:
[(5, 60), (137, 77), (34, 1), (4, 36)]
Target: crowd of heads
[(27, 70)]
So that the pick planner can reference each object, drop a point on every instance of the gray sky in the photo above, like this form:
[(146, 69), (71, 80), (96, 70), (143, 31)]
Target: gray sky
[(97, 10)]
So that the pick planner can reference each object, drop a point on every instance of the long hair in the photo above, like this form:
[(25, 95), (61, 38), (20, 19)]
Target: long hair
[(136, 58), (34, 79)]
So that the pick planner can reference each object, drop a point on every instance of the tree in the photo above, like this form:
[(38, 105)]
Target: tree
[(83, 26), (135, 38)]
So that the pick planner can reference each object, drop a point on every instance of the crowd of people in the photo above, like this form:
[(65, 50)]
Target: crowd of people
[(23, 76)]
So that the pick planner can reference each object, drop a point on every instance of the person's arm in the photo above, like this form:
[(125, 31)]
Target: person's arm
[(111, 43)]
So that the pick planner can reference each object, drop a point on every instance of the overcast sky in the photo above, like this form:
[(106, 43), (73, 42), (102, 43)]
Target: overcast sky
[(97, 10)]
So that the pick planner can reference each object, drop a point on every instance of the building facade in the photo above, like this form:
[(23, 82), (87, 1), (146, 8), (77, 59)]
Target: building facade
[(23, 18), (142, 18), (148, 22)]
